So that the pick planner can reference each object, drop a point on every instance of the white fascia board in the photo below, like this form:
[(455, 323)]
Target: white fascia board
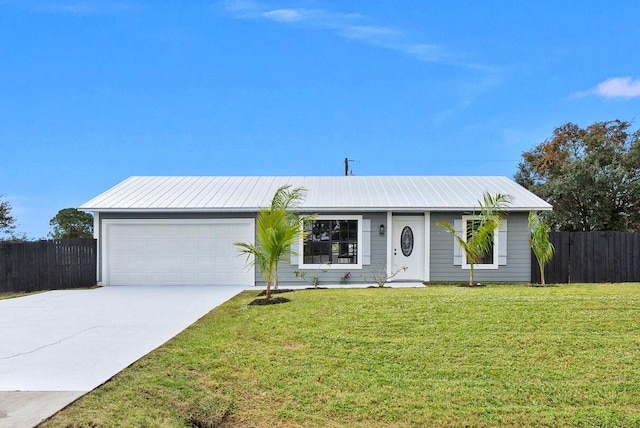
[(310, 209), (477, 208), (169, 210)]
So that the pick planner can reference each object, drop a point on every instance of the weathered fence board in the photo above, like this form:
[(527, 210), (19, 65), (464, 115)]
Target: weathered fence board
[(47, 265), (591, 257)]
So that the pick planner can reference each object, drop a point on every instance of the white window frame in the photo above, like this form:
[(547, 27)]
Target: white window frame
[(496, 240), (335, 266)]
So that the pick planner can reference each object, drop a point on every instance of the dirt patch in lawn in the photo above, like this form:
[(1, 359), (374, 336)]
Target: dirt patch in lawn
[(271, 301)]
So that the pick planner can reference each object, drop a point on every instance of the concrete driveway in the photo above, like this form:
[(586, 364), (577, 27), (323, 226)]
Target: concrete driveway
[(58, 345)]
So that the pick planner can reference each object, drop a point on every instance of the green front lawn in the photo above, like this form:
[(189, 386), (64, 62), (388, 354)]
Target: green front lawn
[(434, 356)]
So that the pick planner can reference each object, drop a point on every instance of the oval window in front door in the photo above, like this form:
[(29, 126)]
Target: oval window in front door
[(406, 241)]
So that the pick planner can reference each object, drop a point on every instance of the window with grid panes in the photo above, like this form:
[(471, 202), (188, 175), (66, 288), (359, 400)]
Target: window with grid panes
[(333, 241)]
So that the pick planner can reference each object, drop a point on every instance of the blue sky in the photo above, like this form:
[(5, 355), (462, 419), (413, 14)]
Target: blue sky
[(92, 92)]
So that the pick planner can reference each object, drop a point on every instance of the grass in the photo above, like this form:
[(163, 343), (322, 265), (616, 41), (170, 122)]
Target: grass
[(435, 356), (11, 295)]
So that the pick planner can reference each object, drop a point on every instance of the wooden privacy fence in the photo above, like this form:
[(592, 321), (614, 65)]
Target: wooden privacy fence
[(591, 257), (47, 265)]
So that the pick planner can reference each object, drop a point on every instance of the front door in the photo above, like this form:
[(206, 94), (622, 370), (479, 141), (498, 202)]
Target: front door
[(408, 248)]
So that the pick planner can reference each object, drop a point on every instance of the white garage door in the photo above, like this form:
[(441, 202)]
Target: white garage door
[(176, 252)]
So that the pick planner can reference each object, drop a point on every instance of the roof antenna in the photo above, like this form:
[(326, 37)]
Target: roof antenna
[(346, 166)]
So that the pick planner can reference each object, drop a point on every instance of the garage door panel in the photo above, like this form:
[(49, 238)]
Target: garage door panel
[(122, 261), (185, 247), (180, 278), (239, 261), (133, 278), (192, 232), (224, 232), (136, 244), (177, 253), (149, 250), (206, 232), (121, 244), (222, 262), (171, 232), (206, 246), (224, 278), (205, 263)]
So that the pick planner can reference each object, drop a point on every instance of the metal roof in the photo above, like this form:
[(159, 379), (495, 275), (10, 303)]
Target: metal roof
[(330, 193)]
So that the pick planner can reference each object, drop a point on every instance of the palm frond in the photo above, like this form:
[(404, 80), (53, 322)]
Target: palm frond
[(278, 227), (480, 240), (539, 242)]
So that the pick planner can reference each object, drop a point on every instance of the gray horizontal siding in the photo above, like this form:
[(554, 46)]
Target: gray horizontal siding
[(517, 269)]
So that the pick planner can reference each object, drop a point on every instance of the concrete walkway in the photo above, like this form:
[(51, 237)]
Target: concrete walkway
[(58, 345)]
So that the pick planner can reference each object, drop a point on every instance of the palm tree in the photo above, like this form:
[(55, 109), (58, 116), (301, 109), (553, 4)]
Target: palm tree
[(277, 228), (539, 242), (478, 240)]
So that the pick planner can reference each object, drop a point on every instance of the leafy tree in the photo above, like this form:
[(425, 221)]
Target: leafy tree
[(539, 242), (478, 241), (71, 223), (7, 221), (277, 228), (591, 176)]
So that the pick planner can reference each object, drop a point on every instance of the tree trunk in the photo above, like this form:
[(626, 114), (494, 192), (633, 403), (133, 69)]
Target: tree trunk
[(268, 290), (541, 272)]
